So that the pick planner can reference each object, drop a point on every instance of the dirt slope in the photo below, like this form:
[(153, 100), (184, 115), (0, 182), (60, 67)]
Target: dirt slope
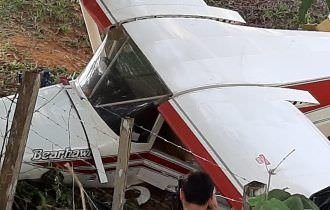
[(43, 34)]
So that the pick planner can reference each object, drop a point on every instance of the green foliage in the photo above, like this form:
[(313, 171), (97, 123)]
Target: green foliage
[(278, 194), (280, 16), (272, 204), (61, 15), (281, 200), (304, 7), (308, 204), (328, 3), (48, 192), (294, 203)]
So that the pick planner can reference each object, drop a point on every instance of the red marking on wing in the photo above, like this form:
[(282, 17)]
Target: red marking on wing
[(189, 139), (319, 89), (261, 159)]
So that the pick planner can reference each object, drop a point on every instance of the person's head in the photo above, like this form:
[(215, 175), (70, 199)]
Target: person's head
[(197, 189)]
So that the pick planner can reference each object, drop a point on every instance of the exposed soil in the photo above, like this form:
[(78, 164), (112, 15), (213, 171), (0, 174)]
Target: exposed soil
[(40, 35), (47, 34), (51, 52)]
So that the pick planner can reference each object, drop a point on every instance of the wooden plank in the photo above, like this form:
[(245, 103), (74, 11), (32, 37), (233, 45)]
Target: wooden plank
[(122, 163), (28, 93)]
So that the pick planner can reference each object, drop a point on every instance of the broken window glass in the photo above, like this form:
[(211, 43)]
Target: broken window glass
[(119, 81), (101, 61), (129, 77)]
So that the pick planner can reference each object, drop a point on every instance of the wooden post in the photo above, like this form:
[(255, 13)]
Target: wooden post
[(11, 167), (122, 163)]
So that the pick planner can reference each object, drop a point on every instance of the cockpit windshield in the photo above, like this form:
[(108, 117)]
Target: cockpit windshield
[(119, 72), (119, 81)]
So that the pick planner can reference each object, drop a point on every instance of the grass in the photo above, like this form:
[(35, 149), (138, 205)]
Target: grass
[(14, 62), (281, 16), (58, 20), (9, 47), (42, 15), (7, 50), (44, 18)]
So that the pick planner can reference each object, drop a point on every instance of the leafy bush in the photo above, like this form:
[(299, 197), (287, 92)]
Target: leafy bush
[(46, 193), (305, 6), (281, 200)]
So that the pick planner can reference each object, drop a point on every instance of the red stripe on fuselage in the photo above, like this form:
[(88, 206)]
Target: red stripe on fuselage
[(189, 139), (97, 14), (319, 89), (166, 163), (113, 159), (113, 168)]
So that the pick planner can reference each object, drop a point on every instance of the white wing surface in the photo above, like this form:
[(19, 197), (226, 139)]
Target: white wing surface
[(239, 124), (195, 53), (121, 11)]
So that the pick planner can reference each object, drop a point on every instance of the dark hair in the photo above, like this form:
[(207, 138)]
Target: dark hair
[(198, 188)]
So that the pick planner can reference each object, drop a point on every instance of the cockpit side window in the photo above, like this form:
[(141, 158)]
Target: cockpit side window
[(129, 77), (98, 66), (120, 81), (121, 73)]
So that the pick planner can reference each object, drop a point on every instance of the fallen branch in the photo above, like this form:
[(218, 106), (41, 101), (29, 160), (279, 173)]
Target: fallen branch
[(82, 194)]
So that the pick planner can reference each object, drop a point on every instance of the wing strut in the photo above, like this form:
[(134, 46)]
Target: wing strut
[(92, 143), (92, 29)]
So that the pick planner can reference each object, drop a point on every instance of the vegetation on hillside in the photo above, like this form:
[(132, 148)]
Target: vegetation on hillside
[(305, 6), (282, 14), (42, 16), (46, 35)]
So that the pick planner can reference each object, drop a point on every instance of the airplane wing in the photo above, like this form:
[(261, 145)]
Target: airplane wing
[(228, 129), (189, 39), (197, 53), (106, 13)]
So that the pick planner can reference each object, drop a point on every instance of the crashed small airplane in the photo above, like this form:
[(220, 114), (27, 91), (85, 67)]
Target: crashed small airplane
[(206, 93)]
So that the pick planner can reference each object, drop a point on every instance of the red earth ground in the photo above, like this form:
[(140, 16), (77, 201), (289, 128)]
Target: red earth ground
[(51, 52)]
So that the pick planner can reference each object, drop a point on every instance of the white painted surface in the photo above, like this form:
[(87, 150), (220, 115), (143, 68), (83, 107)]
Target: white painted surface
[(144, 196), (245, 125), (266, 93), (50, 132), (121, 4), (119, 11), (191, 53), (93, 133), (158, 180), (56, 126)]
